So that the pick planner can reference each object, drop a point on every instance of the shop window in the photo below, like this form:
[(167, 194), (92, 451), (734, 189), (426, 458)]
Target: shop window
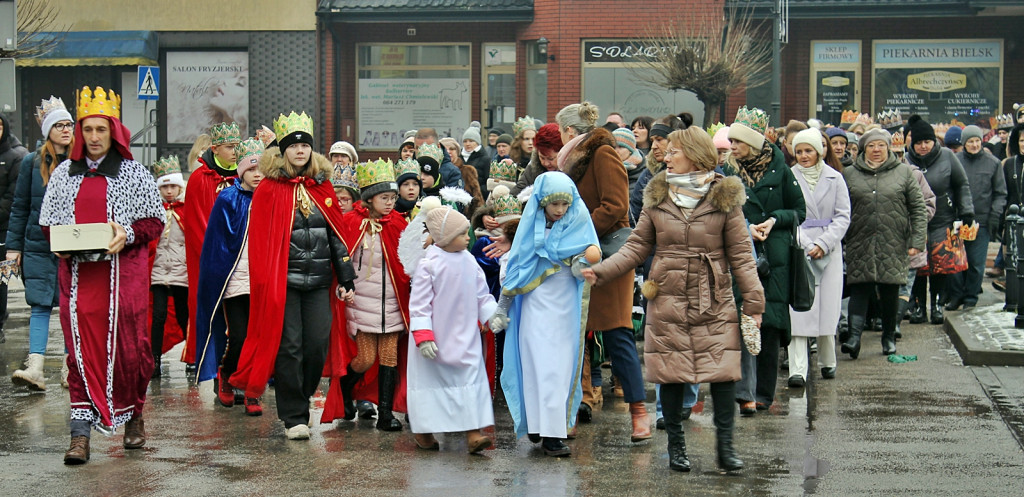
[(499, 86), (405, 86), (536, 82)]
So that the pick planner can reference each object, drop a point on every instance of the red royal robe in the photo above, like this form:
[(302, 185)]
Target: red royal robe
[(203, 186), (343, 351), (270, 231)]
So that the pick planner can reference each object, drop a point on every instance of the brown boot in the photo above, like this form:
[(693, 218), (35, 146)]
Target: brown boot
[(78, 453), (134, 433), (476, 441), (641, 423), (426, 441)]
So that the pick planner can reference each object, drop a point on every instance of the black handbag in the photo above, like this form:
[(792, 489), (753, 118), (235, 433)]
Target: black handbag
[(612, 242), (801, 278)]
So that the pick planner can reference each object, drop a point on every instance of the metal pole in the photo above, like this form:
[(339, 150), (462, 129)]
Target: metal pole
[(776, 103), (1018, 238), (145, 139), (1010, 258)]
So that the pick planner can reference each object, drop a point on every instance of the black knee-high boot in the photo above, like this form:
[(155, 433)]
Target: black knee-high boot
[(348, 382), (852, 345), (672, 408), (387, 379), (723, 395)]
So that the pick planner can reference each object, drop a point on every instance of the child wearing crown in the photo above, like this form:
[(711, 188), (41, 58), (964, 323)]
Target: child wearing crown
[(223, 302), (378, 314), (217, 171), (448, 375), (168, 279), (294, 238), (410, 188), (545, 303)]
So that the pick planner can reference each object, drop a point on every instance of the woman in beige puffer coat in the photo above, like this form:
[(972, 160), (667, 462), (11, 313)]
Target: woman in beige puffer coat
[(693, 216)]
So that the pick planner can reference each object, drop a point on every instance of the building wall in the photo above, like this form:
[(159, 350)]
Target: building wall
[(187, 15)]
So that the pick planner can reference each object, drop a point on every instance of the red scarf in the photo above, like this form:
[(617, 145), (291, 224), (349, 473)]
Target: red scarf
[(270, 230)]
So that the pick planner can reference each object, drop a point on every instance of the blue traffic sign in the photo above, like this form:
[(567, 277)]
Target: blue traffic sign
[(149, 82)]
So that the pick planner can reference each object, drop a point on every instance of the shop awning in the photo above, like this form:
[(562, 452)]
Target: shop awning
[(98, 48), (815, 9), (425, 10)]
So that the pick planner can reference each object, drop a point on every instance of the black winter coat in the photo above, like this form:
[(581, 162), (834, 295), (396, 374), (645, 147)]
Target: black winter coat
[(481, 162), (947, 178), (11, 153), (315, 249), (38, 264)]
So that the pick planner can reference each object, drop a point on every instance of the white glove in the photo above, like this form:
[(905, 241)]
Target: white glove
[(498, 322), (577, 265), (428, 349)]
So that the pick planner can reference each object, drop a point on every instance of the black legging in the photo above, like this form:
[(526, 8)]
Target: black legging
[(160, 295), (236, 312), (861, 295), (937, 282), (722, 397)]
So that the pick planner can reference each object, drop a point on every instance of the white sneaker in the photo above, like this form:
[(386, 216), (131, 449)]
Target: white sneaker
[(297, 432)]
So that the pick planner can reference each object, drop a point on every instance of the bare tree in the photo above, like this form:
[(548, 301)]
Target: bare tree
[(711, 57), (38, 31)]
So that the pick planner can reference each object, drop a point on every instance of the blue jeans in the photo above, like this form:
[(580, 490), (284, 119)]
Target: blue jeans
[(620, 349), (38, 329), (966, 286), (689, 397)]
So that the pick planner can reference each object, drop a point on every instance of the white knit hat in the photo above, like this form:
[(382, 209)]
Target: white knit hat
[(344, 148), (812, 137)]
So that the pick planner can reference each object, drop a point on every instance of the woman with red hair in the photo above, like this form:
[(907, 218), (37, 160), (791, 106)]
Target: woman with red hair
[(546, 145)]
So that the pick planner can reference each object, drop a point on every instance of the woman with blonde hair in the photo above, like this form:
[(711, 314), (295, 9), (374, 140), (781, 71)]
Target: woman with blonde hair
[(694, 217)]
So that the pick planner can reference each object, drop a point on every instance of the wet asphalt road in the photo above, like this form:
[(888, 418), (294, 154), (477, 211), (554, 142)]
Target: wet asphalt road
[(922, 428)]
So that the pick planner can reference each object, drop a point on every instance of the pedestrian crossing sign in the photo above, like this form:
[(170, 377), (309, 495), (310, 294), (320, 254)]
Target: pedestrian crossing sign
[(149, 82)]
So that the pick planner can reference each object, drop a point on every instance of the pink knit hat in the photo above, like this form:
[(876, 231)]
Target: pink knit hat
[(721, 138), (445, 224)]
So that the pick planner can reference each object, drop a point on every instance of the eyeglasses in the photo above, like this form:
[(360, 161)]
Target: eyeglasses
[(64, 126), (672, 151)]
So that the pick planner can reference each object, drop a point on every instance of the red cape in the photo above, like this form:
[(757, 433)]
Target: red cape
[(173, 334), (270, 231), (200, 193), (343, 350)]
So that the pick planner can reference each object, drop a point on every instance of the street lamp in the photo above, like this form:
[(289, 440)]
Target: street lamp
[(542, 45)]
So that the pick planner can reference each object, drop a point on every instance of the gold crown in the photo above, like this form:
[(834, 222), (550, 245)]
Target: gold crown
[(506, 206), (898, 142), (91, 103), (504, 170), (47, 106), (522, 124), (286, 125), (345, 176), (407, 166), (430, 151), (753, 118), (374, 172), (848, 117), (252, 147), (166, 165), (225, 133)]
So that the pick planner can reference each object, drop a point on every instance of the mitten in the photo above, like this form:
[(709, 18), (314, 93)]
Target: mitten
[(428, 349)]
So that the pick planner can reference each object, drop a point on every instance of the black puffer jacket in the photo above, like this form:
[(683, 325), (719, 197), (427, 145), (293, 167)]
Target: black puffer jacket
[(482, 163), (315, 249), (11, 153), (952, 190)]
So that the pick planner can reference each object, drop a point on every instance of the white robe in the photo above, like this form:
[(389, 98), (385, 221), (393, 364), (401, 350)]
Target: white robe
[(450, 393)]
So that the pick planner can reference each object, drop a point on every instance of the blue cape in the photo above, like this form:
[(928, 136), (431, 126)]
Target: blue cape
[(225, 233), (532, 259)]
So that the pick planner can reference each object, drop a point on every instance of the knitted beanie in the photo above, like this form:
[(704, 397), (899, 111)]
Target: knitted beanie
[(344, 148), (624, 138), (445, 224), (876, 134), (952, 137), (472, 133), (504, 138), (721, 138), (834, 132), (969, 132), (920, 130), (812, 137)]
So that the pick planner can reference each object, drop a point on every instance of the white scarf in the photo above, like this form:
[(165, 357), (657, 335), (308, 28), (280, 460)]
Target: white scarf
[(687, 189), (812, 174)]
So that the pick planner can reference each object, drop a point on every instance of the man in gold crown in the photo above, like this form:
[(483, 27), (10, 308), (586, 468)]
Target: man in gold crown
[(295, 240), (216, 172), (104, 298)]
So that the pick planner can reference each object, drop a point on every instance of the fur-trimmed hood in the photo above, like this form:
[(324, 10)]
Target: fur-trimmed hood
[(726, 193), (273, 165), (652, 164), (579, 158)]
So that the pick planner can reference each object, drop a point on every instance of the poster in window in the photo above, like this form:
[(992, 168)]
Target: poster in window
[(203, 89), (835, 93), (939, 95), (390, 107)]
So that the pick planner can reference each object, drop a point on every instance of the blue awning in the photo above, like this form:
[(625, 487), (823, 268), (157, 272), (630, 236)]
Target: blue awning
[(97, 48)]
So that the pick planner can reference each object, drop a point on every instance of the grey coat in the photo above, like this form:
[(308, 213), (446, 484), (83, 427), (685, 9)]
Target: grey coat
[(887, 218), (988, 187)]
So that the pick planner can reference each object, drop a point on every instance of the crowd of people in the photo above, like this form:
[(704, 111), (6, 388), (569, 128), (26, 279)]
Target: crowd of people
[(511, 265)]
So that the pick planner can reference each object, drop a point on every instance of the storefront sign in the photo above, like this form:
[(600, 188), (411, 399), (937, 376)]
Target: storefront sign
[(940, 80), (622, 50), (203, 89), (835, 52), (390, 107)]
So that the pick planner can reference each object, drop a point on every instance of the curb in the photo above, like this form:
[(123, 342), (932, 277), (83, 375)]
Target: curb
[(972, 352)]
